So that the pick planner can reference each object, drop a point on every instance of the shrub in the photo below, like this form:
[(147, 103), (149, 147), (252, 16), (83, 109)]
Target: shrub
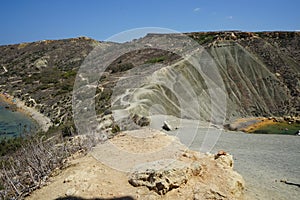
[(27, 169), (156, 60), (10, 145), (68, 74), (120, 67), (115, 128)]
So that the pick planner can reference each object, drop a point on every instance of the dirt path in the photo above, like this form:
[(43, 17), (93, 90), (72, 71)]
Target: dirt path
[(88, 178)]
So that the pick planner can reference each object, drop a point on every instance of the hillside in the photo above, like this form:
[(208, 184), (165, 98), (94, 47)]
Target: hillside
[(260, 72), (240, 75)]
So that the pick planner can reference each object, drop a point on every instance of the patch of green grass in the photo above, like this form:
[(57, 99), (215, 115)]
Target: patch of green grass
[(156, 60), (1, 186), (68, 74), (9, 145), (115, 129), (205, 39), (279, 128)]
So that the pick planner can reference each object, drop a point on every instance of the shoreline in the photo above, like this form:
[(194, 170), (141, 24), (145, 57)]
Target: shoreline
[(43, 122), (261, 123)]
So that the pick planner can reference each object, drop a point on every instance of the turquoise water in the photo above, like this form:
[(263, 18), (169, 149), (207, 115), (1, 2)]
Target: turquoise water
[(13, 124)]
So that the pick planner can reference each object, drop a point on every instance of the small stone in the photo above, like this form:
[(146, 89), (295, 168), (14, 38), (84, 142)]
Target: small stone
[(68, 179), (220, 153)]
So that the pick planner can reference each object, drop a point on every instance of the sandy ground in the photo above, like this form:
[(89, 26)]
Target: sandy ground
[(105, 171), (43, 121), (88, 178)]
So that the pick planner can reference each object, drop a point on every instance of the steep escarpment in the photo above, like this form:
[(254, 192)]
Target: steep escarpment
[(280, 54), (258, 75), (277, 52), (252, 88)]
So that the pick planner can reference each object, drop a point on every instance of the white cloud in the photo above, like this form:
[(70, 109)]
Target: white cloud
[(230, 17), (196, 9)]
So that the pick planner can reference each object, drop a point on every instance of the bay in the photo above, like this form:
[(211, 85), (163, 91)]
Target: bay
[(14, 123)]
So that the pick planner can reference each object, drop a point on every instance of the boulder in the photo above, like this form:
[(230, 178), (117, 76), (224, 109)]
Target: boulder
[(164, 175), (224, 159), (287, 118), (279, 119), (166, 126), (140, 120), (232, 127)]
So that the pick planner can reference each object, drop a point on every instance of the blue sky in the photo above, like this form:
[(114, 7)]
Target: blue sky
[(32, 20)]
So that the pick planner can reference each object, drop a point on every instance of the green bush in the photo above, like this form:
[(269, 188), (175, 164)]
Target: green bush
[(1, 186), (10, 145), (156, 60), (205, 39), (115, 128), (68, 74), (121, 67)]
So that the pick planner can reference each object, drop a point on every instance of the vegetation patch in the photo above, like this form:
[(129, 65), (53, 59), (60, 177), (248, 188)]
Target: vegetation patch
[(284, 128), (10, 145), (45, 152), (121, 67), (203, 39), (156, 60)]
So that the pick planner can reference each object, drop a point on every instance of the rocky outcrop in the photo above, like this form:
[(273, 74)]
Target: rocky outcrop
[(208, 177), (163, 177), (193, 176)]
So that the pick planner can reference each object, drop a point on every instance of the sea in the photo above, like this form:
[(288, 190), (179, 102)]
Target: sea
[(14, 124)]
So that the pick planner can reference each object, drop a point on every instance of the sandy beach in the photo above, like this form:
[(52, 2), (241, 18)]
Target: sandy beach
[(43, 121)]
